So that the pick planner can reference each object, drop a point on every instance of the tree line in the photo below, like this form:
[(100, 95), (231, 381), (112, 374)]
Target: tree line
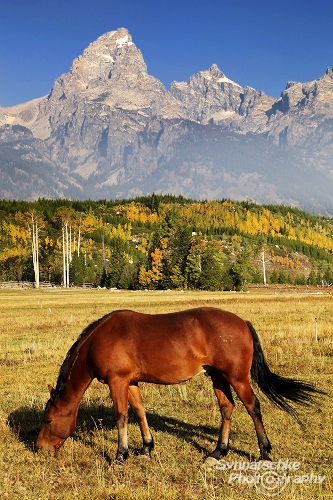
[(162, 242)]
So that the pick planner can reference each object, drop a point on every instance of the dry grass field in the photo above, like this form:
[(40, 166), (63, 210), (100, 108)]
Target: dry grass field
[(39, 326)]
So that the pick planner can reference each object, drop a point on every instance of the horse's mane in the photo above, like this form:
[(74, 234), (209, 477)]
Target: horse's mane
[(69, 359)]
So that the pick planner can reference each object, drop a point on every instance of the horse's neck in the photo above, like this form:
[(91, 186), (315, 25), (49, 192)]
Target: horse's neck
[(78, 381)]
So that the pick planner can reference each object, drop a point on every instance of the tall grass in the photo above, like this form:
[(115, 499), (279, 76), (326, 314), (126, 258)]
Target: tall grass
[(37, 329)]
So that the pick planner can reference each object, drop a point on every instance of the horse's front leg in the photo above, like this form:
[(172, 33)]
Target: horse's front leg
[(136, 402), (119, 394)]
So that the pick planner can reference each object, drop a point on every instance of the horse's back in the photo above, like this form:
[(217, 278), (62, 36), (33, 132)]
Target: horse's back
[(169, 347)]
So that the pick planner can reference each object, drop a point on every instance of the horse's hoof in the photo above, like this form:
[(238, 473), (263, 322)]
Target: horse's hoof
[(119, 460), (210, 462), (142, 456), (119, 463)]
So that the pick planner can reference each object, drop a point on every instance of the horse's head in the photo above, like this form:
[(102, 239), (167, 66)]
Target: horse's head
[(57, 425)]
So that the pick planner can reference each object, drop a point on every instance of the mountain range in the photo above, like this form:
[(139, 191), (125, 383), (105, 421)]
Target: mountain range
[(108, 129)]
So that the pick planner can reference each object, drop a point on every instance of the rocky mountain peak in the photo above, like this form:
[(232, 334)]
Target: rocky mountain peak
[(110, 75), (329, 73), (314, 96), (111, 57), (210, 96), (213, 72), (214, 75), (291, 84)]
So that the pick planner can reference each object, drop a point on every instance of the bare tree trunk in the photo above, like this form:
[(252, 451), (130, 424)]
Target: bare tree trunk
[(264, 268), (78, 242), (103, 246), (34, 222), (70, 244), (66, 218), (64, 256), (67, 256), (35, 258)]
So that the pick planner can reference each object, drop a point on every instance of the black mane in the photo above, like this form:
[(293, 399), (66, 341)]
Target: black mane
[(66, 365)]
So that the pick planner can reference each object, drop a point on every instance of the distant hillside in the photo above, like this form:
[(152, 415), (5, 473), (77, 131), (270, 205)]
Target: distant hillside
[(160, 242)]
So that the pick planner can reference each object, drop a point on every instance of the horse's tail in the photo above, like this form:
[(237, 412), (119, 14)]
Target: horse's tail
[(280, 390)]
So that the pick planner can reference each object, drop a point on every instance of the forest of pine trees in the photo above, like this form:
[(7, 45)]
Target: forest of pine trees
[(163, 242)]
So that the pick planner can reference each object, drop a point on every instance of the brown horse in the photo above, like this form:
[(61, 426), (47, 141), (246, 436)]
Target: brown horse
[(126, 347)]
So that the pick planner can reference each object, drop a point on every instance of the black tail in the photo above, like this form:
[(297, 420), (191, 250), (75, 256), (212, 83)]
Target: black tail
[(280, 390)]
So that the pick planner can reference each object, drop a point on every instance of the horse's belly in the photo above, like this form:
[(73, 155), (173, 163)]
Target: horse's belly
[(170, 375)]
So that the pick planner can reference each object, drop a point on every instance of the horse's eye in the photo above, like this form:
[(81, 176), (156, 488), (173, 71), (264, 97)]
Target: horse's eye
[(48, 421)]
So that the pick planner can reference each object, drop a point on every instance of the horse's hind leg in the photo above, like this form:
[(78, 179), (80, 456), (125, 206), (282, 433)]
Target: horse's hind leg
[(226, 403), (251, 403), (135, 400)]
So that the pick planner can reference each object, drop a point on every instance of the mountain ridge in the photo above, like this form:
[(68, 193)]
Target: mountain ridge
[(109, 129)]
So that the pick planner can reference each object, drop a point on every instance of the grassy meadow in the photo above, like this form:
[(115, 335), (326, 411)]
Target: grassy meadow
[(39, 326)]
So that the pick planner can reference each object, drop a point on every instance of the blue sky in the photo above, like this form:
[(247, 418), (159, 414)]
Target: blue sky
[(260, 43)]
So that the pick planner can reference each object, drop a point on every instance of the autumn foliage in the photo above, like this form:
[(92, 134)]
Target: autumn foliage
[(163, 242)]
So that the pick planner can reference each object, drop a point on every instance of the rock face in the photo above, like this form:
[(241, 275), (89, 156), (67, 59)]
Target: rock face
[(108, 129), (27, 171), (211, 97)]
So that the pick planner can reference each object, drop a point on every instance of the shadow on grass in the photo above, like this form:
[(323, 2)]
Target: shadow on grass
[(25, 423)]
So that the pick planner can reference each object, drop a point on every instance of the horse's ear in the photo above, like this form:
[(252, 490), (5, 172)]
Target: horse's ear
[(52, 392)]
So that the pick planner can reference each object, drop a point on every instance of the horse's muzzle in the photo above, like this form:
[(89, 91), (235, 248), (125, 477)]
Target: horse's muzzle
[(44, 447)]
